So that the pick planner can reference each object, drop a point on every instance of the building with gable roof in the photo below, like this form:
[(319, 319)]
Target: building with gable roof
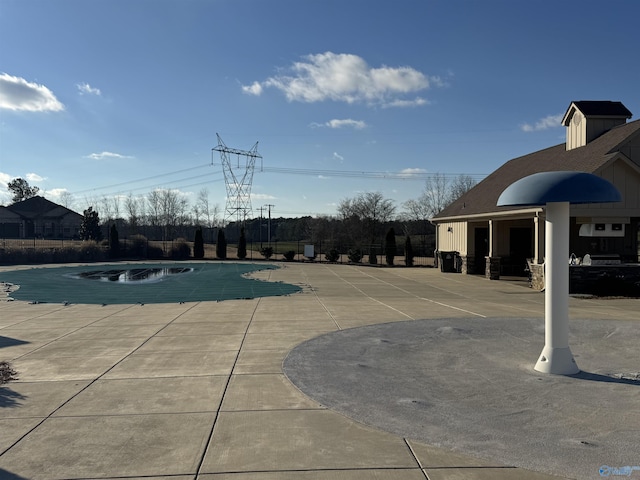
[(39, 217), (496, 241)]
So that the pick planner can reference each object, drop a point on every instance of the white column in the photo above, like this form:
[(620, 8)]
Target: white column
[(493, 238), (556, 357), (538, 247)]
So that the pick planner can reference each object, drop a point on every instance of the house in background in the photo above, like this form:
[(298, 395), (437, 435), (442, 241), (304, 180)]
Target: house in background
[(496, 241), (39, 217)]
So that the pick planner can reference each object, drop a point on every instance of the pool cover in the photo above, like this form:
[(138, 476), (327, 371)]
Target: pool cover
[(143, 283)]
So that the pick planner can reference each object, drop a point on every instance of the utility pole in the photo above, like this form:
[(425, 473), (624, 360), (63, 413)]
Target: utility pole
[(269, 228), (260, 225)]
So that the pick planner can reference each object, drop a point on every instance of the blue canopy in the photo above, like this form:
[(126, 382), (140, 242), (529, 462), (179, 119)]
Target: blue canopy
[(545, 187)]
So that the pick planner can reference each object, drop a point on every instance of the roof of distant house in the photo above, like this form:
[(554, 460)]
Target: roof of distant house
[(39, 206)]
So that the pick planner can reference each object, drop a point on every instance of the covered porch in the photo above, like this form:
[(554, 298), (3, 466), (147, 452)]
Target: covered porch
[(513, 244)]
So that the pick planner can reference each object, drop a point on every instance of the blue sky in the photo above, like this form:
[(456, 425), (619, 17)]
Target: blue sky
[(109, 98)]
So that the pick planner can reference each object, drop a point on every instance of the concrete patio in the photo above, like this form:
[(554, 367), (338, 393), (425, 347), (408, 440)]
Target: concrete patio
[(197, 390)]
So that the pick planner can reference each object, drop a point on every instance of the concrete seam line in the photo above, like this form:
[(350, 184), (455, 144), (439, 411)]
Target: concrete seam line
[(226, 387)]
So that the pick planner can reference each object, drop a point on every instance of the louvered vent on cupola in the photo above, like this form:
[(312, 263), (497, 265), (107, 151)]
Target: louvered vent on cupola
[(586, 120)]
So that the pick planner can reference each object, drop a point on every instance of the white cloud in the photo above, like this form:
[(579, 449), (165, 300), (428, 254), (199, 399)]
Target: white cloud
[(57, 192), (262, 196), (254, 89), (416, 102), (346, 122), (550, 121), (34, 177), (345, 78), (106, 156), (61, 196), (86, 89), (5, 178), (409, 172), (20, 95)]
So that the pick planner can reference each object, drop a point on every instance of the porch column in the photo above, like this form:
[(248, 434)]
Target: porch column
[(539, 236), (492, 270)]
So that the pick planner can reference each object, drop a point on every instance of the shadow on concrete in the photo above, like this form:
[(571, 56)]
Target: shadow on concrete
[(10, 342), (5, 475), (624, 379), (9, 399)]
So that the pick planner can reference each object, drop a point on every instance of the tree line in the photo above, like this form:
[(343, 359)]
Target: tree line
[(166, 214)]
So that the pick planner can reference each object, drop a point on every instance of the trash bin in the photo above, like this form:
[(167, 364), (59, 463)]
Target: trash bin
[(448, 262)]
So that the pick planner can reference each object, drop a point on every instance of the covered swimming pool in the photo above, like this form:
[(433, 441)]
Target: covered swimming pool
[(130, 283)]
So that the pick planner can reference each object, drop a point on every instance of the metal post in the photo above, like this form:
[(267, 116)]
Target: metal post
[(556, 357), (260, 225), (269, 227)]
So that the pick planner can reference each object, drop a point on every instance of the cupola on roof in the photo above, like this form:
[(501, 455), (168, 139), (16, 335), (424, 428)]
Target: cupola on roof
[(586, 120), (596, 108)]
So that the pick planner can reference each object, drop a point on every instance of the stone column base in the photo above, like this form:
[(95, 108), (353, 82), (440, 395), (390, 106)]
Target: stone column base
[(537, 276), (492, 272), (468, 264)]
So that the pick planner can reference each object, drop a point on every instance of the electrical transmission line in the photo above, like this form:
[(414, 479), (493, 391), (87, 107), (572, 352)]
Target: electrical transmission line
[(238, 178)]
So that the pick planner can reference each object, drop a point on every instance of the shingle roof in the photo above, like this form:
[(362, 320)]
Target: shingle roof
[(37, 206), (596, 108), (602, 108), (483, 197)]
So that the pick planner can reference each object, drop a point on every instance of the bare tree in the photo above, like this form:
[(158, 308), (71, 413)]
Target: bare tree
[(90, 202), (133, 207), (368, 205), (365, 214), (154, 210), (438, 193), (435, 195), (322, 228), (196, 213), (216, 218), (106, 209), (210, 214), (459, 186), (115, 206), (201, 206), (415, 210), (173, 212), (66, 199)]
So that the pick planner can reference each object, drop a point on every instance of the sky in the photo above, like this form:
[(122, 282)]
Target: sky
[(106, 99)]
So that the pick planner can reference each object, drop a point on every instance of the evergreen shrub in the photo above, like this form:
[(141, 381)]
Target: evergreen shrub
[(137, 246), (180, 250), (198, 244), (333, 255), (390, 248), (408, 252), (354, 255), (114, 242), (242, 245), (90, 251), (221, 246), (373, 258)]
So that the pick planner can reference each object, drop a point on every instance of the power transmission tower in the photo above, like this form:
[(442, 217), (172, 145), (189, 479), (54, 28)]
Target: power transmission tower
[(238, 178)]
